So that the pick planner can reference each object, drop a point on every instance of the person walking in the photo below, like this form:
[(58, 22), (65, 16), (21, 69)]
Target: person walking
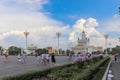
[(43, 59), (23, 58), (47, 58), (53, 59), (6, 56), (37, 56), (19, 58)]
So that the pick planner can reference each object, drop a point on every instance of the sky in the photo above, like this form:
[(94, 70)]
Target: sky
[(44, 18)]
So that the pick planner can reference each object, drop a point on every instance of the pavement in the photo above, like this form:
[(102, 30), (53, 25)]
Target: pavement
[(115, 66), (12, 67)]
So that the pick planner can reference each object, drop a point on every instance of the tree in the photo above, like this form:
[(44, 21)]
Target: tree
[(1, 50), (67, 51), (38, 51), (115, 50), (13, 50)]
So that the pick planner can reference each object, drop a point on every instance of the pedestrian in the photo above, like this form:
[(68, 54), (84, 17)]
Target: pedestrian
[(6, 56), (19, 58), (115, 57), (43, 59), (23, 58), (37, 56), (53, 59), (47, 58), (70, 56)]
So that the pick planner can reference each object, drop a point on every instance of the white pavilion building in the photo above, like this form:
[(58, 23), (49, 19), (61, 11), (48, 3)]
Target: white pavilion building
[(82, 44)]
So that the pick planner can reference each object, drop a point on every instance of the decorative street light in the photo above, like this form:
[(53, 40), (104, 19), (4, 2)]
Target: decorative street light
[(106, 37), (26, 35), (58, 35)]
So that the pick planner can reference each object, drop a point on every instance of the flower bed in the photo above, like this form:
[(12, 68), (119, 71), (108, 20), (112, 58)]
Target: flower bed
[(77, 71)]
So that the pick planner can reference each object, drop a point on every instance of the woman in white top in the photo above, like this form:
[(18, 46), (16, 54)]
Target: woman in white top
[(47, 58), (43, 59)]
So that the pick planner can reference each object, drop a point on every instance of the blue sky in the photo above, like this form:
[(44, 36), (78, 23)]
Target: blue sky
[(44, 18), (68, 11)]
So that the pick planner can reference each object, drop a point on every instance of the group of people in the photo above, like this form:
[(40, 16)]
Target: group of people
[(69, 56), (116, 57), (44, 59), (21, 58)]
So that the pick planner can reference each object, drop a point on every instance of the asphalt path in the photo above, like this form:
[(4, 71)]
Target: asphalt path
[(115, 66), (12, 67)]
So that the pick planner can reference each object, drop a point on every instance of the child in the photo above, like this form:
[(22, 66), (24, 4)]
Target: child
[(19, 58)]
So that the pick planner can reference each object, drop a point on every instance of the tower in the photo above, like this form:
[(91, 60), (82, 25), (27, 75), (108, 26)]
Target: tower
[(82, 45)]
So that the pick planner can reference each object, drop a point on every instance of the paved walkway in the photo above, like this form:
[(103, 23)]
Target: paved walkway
[(11, 67), (116, 70)]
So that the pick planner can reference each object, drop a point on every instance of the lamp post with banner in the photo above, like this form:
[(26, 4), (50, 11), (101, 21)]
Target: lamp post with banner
[(58, 35), (26, 36)]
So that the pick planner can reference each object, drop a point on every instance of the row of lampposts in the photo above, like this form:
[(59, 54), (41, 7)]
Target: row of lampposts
[(26, 33)]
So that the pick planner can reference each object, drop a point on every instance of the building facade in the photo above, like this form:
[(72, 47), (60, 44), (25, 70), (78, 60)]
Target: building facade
[(82, 44)]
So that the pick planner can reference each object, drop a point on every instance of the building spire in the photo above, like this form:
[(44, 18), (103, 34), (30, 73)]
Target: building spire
[(83, 29)]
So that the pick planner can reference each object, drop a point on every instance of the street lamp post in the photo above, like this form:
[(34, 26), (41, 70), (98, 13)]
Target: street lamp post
[(58, 35), (106, 37), (110, 47), (26, 35)]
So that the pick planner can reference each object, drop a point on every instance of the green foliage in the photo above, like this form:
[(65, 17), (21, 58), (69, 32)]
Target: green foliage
[(67, 51), (40, 51), (114, 50), (1, 50), (102, 70), (13, 50)]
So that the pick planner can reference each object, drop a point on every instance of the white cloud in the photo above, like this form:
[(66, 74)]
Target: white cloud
[(91, 22), (112, 25), (21, 5), (88, 25), (96, 37), (17, 16)]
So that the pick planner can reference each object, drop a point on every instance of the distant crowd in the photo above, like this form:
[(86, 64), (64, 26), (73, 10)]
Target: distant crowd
[(47, 59)]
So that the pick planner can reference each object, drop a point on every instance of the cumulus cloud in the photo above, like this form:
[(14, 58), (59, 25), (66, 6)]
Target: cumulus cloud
[(87, 25), (112, 24), (96, 37), (17, 16), (91, 22), (21, 5)]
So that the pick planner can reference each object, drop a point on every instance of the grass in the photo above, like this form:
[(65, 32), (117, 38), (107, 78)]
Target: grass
[(101, 71)]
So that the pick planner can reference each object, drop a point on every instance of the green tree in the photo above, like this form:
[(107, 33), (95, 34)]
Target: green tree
[(13, 50), (115, 50), (1, 50), (38, 51), (67, 51)]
